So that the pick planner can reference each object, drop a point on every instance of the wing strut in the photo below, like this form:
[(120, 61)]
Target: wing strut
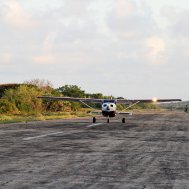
[(87, 105), (131, 105)]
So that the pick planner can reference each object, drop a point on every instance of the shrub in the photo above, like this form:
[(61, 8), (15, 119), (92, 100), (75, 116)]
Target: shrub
[(7, 107), (24, 98)]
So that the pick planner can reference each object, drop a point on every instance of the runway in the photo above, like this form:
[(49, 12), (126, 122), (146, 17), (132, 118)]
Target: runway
[(149, 151)]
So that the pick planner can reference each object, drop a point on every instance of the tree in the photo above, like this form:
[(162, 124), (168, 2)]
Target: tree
[(95, 95), (44, 85), (72, 91)]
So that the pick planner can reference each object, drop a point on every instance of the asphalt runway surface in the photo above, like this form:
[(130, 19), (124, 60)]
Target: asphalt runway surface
[(149, 151)]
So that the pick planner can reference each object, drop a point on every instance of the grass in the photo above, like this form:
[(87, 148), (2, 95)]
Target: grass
[(8, 118)]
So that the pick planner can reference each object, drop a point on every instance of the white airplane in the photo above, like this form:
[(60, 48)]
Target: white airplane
[(109, 106)]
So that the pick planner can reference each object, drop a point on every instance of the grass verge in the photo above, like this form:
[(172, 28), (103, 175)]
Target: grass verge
[(8, 118)]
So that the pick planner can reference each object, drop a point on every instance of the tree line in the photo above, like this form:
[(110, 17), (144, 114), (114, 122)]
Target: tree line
[(22, 98)]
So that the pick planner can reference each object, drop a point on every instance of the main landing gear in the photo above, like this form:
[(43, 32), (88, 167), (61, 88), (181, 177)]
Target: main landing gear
[(123, 120), (94, 119), (108, 120)]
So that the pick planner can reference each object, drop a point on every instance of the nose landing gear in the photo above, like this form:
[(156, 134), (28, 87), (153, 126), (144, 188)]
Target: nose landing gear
[(108, 120)]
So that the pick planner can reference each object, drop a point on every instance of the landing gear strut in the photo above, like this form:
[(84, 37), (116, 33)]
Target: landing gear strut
[(108, 120), (123, 120), (94, 119)]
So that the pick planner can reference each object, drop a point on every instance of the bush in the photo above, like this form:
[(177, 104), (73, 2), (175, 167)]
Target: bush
[(5, 118), (4, 87), (7, 107), (24, 98)]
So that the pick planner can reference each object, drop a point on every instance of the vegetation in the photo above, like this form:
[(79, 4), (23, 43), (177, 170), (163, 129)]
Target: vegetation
[(19, 102), (4, 87)]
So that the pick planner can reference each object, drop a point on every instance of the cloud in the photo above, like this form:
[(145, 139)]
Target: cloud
[(90, 41), (68, 60), (45, 59), (124, 8), (178, 38), (49, 41), (180, 27), (6, 57), (156, 50), (170, 13), (15, 15), (128, 21)]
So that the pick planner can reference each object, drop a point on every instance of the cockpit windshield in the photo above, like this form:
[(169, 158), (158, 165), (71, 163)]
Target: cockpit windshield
[(109, 101)]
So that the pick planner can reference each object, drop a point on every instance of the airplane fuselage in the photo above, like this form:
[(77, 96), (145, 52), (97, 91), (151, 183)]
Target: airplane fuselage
[(109, 108)]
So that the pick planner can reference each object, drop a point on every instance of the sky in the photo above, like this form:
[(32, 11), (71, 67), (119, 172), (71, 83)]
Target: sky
[(127, 48)]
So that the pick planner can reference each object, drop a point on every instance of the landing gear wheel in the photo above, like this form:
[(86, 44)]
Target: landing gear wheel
[(94, 119), (123, 120)]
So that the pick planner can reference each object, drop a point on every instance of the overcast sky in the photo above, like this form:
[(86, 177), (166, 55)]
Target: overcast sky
[(129, 48)]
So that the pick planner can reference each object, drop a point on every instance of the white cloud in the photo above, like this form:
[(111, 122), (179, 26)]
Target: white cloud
[(156, 50), (125, 8), (68, 60), (128, 23), (49, 41), (169, 12), (15, 15), (180, 27), (45, 59), (6, 58)]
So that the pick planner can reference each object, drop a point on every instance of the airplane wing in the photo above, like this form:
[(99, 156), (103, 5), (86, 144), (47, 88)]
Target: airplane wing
[(118, 101), (154, 100), (72, 99), (136, 101)]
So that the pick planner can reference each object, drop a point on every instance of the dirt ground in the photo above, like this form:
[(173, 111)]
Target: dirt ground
[(149, 151)]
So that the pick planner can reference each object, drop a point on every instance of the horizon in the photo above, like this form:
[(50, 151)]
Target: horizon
[(96, 92)]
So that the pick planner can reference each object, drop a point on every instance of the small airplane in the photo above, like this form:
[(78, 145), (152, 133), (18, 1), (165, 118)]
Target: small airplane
[(109, 106)]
